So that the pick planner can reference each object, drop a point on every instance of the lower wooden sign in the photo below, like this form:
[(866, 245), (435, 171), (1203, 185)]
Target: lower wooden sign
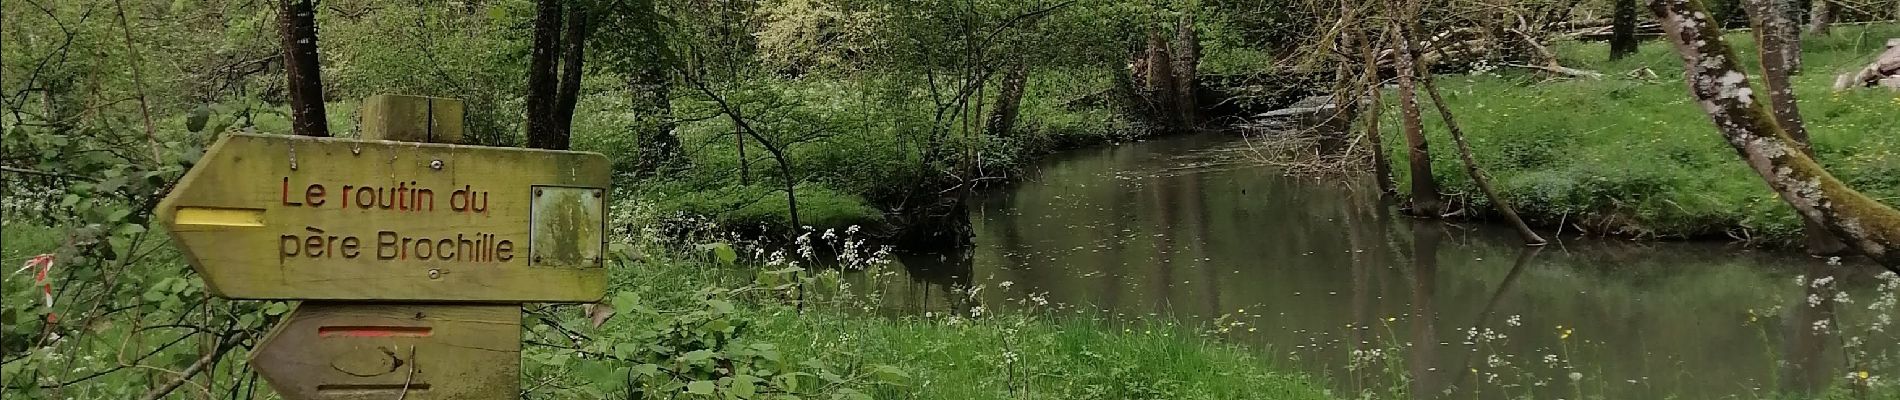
[(349, 351)]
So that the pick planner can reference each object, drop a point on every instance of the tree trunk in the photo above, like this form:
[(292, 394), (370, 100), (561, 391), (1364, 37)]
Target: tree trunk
[(1717, 81), (1374, 92), (1159, 85), (1776, 32), (651, 93), (1623, 30), (542, 78), (745, 164), (297, 22), (1471, 165), (1780, 44), (567, 95), (1009, 99), (1187, 60), (1821, 17), (1425, 200)]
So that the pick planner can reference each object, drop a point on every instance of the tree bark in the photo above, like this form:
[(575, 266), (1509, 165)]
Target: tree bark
[(1780, 44), (1159, 85), (1821, 17), (1187, 61), (1720, 86), (542, 77), (1425, 198), (567, 94), (1623, 30), (1375, 109), (1776, 32), (1009, 99), (1471, 165), (297, 23)]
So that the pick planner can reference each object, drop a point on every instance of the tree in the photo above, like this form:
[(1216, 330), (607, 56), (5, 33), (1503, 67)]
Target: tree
[(1009, 99), (1156, 75), (1623, 30), (554, 72), (1369, 87), (1718, 83), (1187, 61), (542, 79), (632, 43), (297, 24), (1471, 165), (1821, 17), (573, 48), (1780, 53), (1425, 198), (1780, 40)]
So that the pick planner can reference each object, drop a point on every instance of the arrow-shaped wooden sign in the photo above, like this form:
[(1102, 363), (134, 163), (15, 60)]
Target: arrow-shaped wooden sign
[(291, 217), (338, 351)]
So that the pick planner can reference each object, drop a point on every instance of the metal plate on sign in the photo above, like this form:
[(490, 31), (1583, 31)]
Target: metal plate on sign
[(565, 227)]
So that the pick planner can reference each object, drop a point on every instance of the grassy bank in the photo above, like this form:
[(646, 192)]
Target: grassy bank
[(690, 322), (698, 313), (1632, 155)]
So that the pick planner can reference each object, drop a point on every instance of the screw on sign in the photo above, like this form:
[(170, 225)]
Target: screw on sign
[(402, 249)]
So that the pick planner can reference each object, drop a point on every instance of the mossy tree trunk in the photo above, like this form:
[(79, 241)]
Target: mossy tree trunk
[(1009, 99), (1718, 83)]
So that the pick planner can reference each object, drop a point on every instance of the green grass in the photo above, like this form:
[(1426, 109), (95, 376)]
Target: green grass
[(937, 356), (994, 357), (1631, 155), (1013, 356)]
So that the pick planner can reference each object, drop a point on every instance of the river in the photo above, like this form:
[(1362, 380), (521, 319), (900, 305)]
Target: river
[(1313, 274)]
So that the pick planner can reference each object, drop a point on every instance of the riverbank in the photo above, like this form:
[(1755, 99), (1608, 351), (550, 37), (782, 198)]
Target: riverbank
[(840, 349), (697, 323), (1629, 155)]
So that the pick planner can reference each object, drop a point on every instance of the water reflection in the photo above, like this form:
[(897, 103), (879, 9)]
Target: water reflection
[(1324, 276)]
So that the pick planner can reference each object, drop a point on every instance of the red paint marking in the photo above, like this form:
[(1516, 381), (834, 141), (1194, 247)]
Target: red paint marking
[(374, 331), (349, 389)]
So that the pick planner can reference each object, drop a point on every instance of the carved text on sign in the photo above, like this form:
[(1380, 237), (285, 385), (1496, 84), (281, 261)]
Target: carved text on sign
[(390, 245)]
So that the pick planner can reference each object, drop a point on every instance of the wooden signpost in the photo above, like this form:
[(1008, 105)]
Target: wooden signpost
[(397, 245)]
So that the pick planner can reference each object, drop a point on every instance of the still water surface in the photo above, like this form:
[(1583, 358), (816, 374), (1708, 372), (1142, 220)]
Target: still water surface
[(1313, 273)]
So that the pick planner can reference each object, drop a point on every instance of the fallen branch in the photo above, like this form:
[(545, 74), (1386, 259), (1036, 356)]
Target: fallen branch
[(1562, 70), (1550, 58), (197, 367)]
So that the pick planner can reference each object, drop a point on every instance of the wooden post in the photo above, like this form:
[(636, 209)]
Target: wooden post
[(413, 256), (337, 350)]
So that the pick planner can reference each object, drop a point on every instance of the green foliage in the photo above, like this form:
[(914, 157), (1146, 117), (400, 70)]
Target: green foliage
[(764, 206), (1642, 160)]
